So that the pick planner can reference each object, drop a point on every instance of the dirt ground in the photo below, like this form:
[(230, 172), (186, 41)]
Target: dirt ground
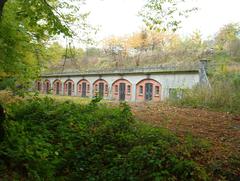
[(222, 130)]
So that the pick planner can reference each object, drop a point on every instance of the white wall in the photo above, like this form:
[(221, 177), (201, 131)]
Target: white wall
[(167, 80)]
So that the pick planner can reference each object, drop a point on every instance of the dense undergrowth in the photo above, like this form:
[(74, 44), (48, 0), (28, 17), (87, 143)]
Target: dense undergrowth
[(224, 94), (50, 140)]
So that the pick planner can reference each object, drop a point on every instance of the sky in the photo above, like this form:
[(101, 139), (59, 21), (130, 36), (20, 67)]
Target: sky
[(119, 17)]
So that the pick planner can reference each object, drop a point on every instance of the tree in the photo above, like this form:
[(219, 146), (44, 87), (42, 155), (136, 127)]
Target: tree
[(163, 15), (54, 53), (227, 40), (138, 42), (25, 27), (115, 47)]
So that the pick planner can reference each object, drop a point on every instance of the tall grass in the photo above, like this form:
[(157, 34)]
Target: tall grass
[(224, 94)]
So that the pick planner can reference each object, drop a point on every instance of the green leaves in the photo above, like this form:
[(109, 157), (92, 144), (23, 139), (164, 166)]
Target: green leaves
[(165, 15), (50, 140), (25, 28)]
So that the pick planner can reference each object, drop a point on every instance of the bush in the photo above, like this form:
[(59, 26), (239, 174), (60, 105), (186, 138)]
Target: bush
[(51, 140)]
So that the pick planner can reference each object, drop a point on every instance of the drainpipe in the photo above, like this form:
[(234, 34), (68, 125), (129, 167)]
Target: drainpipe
[(134, 93), (75, 89), (203, 79)]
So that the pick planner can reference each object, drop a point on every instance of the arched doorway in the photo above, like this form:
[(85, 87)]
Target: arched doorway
[(47, 86), (100, 88), (57, 87), (148, 90), (83, 88), (69, 87), (122, 90), (39, 85)]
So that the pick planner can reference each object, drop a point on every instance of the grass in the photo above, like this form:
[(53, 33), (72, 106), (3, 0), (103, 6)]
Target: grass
[(77, 100), (224, 94)]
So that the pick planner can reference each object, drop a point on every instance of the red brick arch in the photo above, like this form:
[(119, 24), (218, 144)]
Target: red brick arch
[(38, 85), (97, 85), (69, 87), (122, 90), (46, 86), (148, 89), (83, 88), (57, 87)]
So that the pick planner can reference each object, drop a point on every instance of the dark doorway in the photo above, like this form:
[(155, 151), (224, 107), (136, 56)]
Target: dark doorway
[(39, 86), (47, 87), (148, 91), (122, 89), (84, 89), (101, 89), (69, 88), (57, 88)]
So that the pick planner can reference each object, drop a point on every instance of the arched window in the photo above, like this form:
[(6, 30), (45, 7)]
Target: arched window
[(157, 90), (148, 90), (121, 90), (39, 86), (57, 87), (141, 90), (69, 87), (129, 89), (100, 88), (116, 88), (47, 86)]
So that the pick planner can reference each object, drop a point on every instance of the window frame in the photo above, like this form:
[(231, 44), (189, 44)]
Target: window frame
[(128, 89), (157, 90), (88, 88), (106, 88), (140, 90), (116, 88)]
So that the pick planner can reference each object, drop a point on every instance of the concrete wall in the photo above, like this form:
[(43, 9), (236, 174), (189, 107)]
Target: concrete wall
[(166, 81)]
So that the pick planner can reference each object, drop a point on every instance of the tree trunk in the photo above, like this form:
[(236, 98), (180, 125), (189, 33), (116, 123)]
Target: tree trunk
[(2, 3), (2, 118)]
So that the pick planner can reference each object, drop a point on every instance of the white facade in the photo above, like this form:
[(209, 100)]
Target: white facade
[(168, 80)]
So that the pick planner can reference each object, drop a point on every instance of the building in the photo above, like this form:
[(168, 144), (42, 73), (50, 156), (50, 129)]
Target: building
[(132, 84)]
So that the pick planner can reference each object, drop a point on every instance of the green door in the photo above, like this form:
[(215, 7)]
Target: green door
[(101, 89), (148, 91), (84, 89), (122, 89), (69, 88)]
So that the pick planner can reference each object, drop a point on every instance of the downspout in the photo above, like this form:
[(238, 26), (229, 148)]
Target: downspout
[(203, 78)]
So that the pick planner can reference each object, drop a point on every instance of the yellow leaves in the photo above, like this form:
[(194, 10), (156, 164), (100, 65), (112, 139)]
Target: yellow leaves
[(138, 40), (114, 41), (3, 74), (30, 58), (135, 41)]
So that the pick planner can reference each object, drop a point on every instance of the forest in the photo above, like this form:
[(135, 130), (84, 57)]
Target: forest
[(151, 48), (47, 137)]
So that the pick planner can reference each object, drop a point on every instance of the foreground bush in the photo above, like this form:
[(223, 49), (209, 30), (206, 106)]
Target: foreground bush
[(50, 140)]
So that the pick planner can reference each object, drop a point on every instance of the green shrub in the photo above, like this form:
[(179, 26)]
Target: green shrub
[(51, 140)]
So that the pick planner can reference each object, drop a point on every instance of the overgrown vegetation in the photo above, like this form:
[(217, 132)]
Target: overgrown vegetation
[(223, 95), (151, 48), (51, 140), (46, 139), (26, 27)]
